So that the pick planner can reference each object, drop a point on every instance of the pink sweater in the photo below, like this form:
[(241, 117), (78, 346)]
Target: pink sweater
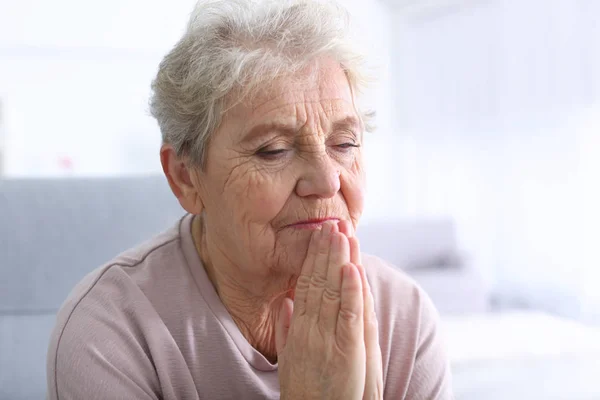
[(149, 325)]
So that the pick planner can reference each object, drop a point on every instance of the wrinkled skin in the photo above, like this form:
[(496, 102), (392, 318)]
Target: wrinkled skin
[(289, 154)]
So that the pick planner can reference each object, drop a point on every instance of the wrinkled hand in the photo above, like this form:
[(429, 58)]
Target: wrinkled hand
[(374, 374), (320, 335)]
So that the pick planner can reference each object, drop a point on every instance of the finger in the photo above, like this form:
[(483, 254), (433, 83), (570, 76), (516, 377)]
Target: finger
[(354, 251), (345, 227), (318, 278), (303, 282), (350, 321), (284, 320), (374, 377), (339, 255), (369, 303)]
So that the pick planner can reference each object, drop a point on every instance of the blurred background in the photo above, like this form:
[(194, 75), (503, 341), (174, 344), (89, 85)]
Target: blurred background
[(484, 172)]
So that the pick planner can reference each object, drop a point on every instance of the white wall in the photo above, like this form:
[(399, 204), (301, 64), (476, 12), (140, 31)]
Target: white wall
[(486, 97), (587, 197), (75, 79), (136, 25)]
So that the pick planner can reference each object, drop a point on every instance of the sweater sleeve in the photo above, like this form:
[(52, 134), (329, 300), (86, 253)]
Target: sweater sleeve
[(430, 378), (415, 361), (96, 352)]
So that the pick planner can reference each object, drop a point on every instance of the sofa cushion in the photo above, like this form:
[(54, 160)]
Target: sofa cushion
[(410, 243), (427, 250), (53, 232), (23, 346)]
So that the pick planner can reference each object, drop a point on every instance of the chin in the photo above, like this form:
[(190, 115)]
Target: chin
[(292, 252)]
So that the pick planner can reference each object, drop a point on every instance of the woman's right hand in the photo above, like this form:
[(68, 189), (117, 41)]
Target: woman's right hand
[(320, 334)]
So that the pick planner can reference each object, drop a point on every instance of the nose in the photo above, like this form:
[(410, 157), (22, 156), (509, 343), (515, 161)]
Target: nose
[(320, 178)]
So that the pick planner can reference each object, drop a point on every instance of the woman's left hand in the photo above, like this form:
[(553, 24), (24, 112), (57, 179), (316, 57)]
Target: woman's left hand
[(374, 377)]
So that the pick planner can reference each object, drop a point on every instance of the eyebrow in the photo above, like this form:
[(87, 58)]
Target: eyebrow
[(348, 123), (262, 129)]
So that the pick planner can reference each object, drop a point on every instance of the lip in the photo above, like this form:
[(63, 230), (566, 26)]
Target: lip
[(312, 223)]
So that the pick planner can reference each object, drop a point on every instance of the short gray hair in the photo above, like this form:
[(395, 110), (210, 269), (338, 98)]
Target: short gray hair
[(230, 49)]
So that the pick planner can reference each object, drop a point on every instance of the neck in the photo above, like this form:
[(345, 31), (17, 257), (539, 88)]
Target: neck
[(252, 302)]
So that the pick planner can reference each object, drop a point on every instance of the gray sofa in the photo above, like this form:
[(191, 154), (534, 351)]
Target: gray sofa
[(52, 233), (428, 250)]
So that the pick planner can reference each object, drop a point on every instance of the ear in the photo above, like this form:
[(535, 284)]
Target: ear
[(183, 179)]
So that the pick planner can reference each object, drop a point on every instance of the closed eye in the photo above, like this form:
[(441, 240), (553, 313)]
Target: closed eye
[(271, 154), (346, 146)]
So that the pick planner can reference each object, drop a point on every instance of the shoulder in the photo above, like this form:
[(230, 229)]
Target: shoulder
[(105, 313), (120, 278)]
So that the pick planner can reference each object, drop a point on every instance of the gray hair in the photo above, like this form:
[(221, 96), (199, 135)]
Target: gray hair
[(230, 49)]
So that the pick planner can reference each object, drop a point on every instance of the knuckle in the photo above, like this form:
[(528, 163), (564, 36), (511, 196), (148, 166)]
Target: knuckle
[(322, 252), (349, 315), (331, 294), (318, 280), (303, 282), (371, 323)]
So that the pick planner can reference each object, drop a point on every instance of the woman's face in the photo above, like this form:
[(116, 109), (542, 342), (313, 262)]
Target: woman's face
[(279, 166)]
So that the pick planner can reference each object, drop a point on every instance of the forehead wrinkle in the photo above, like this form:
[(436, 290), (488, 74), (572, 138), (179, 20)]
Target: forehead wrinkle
[(310, 143), (278, 98), (321, 121), (291, 108), (310, 88), (301, 94), (332, 102), (327, 118)]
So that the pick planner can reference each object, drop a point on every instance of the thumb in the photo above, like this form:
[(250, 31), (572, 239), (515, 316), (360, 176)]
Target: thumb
[(284, 319)]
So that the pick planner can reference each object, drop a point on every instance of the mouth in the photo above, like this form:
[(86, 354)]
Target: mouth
[(311, 224)]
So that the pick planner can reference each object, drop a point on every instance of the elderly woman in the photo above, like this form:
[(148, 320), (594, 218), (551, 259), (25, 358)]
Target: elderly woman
[(260, 291)]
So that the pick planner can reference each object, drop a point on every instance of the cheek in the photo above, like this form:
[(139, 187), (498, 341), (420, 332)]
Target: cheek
[(352, 188), (259, 195)]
